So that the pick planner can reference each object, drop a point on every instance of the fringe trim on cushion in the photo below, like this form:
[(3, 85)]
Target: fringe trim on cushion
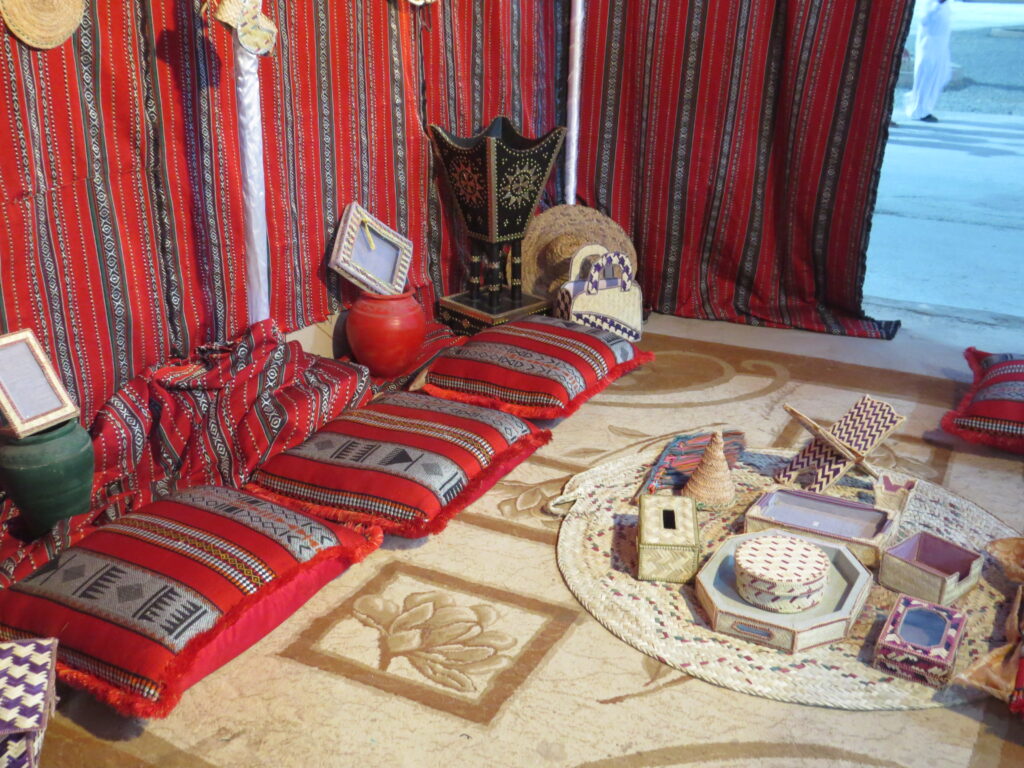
[(539, 412), (1003, 442), (134, 705), (510, 459)]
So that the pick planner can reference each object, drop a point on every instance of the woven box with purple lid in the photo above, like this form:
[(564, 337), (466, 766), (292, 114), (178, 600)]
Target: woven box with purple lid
[(919, 641), (27, 699)]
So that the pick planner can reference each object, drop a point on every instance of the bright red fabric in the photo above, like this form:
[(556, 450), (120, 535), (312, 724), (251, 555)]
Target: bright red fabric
[(739, 144), (535, 368), (406, 462), (145, 606), (992, 412)]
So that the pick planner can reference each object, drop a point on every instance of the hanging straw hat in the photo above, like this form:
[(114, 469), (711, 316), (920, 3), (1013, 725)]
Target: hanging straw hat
[(255, 31), (711, 482), (42, 23), (544, 268)]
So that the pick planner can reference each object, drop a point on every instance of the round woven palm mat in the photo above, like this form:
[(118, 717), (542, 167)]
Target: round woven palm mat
[(597, 557)]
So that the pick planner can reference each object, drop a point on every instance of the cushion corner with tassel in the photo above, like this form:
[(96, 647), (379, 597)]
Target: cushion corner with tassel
[(992, 411)]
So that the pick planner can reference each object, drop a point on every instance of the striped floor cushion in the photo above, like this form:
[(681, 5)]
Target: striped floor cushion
[(992, 412), (148, 605), (407, 462), (537, 368)]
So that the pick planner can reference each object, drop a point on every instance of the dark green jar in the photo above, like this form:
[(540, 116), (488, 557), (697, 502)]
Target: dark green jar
[(48, 475)]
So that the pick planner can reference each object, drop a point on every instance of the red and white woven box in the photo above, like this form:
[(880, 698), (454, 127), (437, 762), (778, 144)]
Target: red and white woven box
[(781, 573), (919, 641)]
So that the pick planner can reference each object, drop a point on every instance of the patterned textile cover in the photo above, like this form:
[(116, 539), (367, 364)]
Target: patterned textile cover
[(407, 462), (930, 660), (539, 367), (781, 573), (137, 602), (694, 136), (27, 699), (992, 412)]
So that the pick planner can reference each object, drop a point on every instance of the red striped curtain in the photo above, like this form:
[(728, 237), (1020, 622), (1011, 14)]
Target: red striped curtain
[(739, 144), (122, 236), (346, 98)]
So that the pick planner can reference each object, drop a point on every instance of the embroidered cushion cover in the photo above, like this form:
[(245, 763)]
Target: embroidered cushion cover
[(537, 368), (145, 606), (407, 462), (992, 412)]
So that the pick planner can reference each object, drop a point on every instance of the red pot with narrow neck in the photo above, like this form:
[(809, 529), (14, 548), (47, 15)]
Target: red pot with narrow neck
[(386, 332)]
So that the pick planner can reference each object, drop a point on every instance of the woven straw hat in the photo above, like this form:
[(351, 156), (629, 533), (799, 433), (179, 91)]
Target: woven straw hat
[(544, 270), (711, 482), (42, 23)]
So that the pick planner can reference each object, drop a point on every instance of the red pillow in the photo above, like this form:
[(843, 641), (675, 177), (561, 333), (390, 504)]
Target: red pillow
[(992, 412), (148, 605), (407, 462), (537, 368)]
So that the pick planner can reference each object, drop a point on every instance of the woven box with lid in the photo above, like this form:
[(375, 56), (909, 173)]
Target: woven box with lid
[(668, 539), (781, 573)]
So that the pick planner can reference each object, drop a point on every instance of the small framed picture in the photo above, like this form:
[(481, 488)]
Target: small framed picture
[(369, 253), (32, 398)]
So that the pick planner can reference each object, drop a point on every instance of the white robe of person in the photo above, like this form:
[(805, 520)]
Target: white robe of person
[(933, 66)]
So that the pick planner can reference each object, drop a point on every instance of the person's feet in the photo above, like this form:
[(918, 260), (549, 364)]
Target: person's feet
[(929, 119)]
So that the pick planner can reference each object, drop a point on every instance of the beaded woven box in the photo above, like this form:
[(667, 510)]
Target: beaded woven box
[(920, 640)]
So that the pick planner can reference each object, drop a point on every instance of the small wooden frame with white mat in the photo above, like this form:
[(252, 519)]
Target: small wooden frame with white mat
[(32, 398)]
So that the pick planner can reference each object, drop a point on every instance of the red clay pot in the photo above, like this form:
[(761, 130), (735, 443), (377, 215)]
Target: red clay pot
[(386, 332)]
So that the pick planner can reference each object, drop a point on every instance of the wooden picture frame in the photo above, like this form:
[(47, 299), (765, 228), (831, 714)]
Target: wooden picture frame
[(32, 397), (369, 253)]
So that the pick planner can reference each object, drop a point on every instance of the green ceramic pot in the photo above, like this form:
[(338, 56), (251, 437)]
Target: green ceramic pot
[(48, 475)]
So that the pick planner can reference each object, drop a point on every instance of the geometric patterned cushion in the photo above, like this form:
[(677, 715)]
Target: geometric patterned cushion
[(537, 368), (139, 605), (992, 412), (407, 462)]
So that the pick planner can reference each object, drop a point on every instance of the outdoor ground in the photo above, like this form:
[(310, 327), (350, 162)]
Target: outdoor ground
[(949, 222)]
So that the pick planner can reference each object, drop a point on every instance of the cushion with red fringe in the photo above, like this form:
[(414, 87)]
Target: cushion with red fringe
[(992, 412), (149, 604), (407, 462), (537, 368)]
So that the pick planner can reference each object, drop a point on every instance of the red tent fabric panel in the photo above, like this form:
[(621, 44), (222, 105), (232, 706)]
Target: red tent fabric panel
[(122, 233), (739, 144)]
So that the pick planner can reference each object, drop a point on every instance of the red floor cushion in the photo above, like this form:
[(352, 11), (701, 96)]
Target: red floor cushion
[(147, 605), (537, 368), (992, 412), (407, 462)]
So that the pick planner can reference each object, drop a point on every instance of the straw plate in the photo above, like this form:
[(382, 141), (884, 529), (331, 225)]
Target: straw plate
[(42, 23)]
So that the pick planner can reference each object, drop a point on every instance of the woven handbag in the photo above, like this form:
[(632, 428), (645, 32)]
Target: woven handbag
[(27, 699), (602, 293)]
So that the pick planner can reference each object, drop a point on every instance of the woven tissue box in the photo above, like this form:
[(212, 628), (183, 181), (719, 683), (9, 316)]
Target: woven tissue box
[(931, 568), (919, 641), (27, 699), (668, 539), (780, 573)]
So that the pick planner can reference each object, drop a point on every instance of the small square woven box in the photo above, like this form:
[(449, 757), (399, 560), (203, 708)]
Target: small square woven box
[(27, 699)]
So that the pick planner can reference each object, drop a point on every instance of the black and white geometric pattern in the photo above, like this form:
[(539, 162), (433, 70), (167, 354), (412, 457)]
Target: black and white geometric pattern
[(27, 699)]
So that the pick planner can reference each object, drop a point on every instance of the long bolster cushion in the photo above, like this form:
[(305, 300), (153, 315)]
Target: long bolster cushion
[(992, 412), (147, 605), (407, 462), (537, 368)]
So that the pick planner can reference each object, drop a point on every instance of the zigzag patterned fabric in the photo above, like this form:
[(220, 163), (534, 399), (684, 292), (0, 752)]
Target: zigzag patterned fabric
[(407, 462), (138, 605), (27, 699), (862, 428)]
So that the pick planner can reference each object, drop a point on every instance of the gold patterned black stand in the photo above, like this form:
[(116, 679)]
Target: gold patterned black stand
[(467, 316)]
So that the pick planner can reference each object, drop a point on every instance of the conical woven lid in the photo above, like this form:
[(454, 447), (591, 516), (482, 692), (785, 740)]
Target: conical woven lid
[(42, 23), (711, 482)]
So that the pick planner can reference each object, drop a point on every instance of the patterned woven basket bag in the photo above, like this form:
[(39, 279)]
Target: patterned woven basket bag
[(607, 297), (27, 699)]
